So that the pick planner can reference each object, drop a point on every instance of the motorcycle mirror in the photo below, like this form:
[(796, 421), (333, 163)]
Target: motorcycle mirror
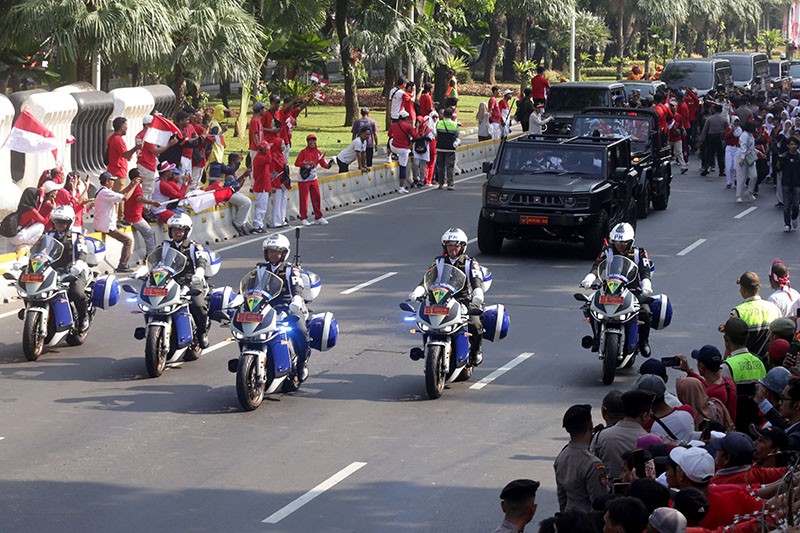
[(127, 288), (9, 276), (580, 297), (405, 306)]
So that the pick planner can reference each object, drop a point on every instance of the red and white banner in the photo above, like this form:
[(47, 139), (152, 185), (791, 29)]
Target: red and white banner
[(791, 23), (30, 136), (160, 131)]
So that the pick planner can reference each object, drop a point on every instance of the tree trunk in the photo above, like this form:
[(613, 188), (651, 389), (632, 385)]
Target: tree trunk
[(225, 92), (496, 25), (136, 75), (514, 46), (346, 51), (621, 29), (439, 85), (180, 86)]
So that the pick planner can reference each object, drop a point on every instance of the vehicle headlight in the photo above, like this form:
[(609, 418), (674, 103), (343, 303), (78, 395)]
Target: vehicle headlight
[(144, 308), (237, 335), (497, 198), (424, 327), (22, 293)]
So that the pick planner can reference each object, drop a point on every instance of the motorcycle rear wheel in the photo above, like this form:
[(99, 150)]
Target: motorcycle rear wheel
[(249, 392), (155, 356), (434, 371), (610, 357), (32, 339)]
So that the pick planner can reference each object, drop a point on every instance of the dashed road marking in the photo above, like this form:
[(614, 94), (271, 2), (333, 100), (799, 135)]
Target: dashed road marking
[(746, 212), (691, 247), (368, 283), (502, 370)]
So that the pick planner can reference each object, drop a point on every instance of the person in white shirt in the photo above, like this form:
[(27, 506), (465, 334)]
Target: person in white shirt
[(396, 97), (784, 297), (355, 151), (105, 214)]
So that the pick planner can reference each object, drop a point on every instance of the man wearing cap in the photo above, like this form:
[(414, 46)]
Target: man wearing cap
[(785, 297), (734, 459), (372, 141), (676, 424), (756, 313), (744, 368), (262, 184), (400, 135), (105, 215), (580, 475), (620, 438), (666, 520), (769, 391), (770, 444), (657, 368), (308, 185), (147, 157), (518, 502), (505, 112), (167, 191), (709, 372), (254, 130)]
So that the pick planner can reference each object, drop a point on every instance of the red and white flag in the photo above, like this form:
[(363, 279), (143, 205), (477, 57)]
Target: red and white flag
[(314, 77), (30, 136), (323, 83), (160, 131), (319, 96)]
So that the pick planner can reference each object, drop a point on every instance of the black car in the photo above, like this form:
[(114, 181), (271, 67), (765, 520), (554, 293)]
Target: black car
[(780, 78), (572, 189), (565, 100), (651, 154)]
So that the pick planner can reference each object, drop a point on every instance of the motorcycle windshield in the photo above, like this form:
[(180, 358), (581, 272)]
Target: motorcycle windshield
[(262, 282), (168, 258), (618, 267), (444, 274), (46, 250)]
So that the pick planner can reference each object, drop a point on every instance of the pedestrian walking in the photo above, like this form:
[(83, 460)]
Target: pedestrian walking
[(746, 173), (732, 134), (424, 135), (790, 184), (711, 141), (495, 113), (675, 136), (400, 135)]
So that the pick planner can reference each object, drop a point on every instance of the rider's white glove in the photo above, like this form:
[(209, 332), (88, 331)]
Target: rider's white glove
[(417, 293), (297, 307), (199, 276), (78, 268), (647, 287), (588, 280), (477, 297)]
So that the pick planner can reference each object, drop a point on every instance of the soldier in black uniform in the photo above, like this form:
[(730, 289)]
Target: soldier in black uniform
[(291, 301), (193, 274), (72, 261), (454, 247), (620, 242)]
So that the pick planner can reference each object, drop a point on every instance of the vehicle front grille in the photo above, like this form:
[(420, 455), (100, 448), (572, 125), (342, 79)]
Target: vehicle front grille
[(548, 200)]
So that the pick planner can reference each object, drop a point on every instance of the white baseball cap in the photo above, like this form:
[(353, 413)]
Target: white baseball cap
[(147, 119), (403, 113), (50, 186), (696, 463), (507, 91), (667, 520)]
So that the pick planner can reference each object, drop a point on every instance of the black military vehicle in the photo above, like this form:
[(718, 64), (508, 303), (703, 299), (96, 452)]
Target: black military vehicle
[(650, 152), (567, 188)]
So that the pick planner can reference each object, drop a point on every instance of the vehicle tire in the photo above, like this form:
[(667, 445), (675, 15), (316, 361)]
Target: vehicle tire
[(489, 240), (434, 373), (610, 357), (32, 340), (595, 235), (249, 392), (660, 203), (155, 356), (466, 373), (643, 205), (193, 352)]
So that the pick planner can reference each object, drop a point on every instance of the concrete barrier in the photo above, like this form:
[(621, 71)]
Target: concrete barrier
[(90, 131), (55, 110)]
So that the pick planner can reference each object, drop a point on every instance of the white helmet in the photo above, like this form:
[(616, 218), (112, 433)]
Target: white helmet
[(276, 241), (180, 220), (455, 235), (65, 213), (622, 232)]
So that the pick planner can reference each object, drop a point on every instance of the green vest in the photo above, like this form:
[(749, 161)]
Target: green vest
[(758, 314), (746, 367)]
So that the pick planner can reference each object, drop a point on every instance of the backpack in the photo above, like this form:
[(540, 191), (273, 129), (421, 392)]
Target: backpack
[(10, 224), (421, 145)]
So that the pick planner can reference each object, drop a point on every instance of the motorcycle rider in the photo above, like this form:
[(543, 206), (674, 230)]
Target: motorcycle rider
[(276, 249), (454, 252), (620, 242), (72, 261), (179, 227)]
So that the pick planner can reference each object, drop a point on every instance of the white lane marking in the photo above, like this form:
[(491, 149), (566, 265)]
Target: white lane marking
[(474, 239), (279, 515), (348, 212), (217, 346), (9, 313), (691, 247), (2, 438), (368, 283), (502, 370), (746, 212)]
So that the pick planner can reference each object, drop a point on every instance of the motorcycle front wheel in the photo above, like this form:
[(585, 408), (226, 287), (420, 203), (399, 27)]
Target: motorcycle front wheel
[(248, 390), (434, 371), (610, 352), (32, 339), (155, 356)]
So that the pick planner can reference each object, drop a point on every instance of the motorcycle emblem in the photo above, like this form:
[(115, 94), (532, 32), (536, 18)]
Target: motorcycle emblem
[(613, 285), (253, 301), (158, 277), (439, 294), (36, 264)]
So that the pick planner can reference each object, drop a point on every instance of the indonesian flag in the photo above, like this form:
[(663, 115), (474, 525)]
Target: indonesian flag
[(160, 131), (319, 96), (314, 77), (323, 83), (200, 200), (30, 136)]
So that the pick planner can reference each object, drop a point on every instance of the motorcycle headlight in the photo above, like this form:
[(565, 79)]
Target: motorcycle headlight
[(22, 293), (237, 335), (424, 327), (596, 315), (144, 308)]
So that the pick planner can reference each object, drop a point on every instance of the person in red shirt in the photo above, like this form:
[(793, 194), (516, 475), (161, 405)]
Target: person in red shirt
[(400, 135), (675, 135), (262, 184), (118, 155), (683, 111), (408, 105), (255, 130), (132, 211), (76, 195), (495, 114), (281, 184), (709, 372), (271, 121), (307, 160), (54, 175), (147, 157), (426, 100), (168, 188), (288, 116), (191, 139), (664, 112), (539, 86), (734, 458)]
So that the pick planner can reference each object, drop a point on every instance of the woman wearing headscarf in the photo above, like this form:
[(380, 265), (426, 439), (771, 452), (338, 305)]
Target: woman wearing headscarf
[(216, 134), (692, 392), (732, 134), (31, 223)]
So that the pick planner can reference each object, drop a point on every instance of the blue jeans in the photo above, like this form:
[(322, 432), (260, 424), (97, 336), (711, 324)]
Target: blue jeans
[(791, 202)]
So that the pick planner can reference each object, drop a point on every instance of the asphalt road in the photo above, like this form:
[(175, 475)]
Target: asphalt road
[(89, 443)]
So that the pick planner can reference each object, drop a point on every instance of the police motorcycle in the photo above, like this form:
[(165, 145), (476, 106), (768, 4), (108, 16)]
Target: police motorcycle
[(49, 316), (442, 320), (612, 310), (268, 358)]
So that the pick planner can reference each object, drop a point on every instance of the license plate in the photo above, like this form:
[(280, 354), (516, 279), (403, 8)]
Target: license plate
[(615, 300), (534, 221), (155, 291), (436, 310), (32, 278), (254, 318)]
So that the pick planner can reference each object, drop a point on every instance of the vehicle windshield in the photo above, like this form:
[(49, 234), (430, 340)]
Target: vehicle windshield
[(446, 275), (742, 68), (262, 282), (696, 75), (166, 257), (794, 70), (47, 248), (564, 98), (637, 128), (618, 267), (643, 88), (561, 159), (775, 69)]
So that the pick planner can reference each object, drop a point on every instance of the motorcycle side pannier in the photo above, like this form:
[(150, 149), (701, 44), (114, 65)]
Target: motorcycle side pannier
[(661, 308), (220, 300), (95, 251), (495, 322), (105, 293), (323, 330), (312, 285)]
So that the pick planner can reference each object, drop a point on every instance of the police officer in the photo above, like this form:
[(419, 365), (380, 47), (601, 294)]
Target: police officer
[(276, 249), (179, 227), (620, 242), (758, 314), (518, 501), (454, 252), (580, 475), (72, 261)]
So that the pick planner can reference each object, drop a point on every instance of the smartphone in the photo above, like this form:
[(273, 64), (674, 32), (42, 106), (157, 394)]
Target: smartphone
[(638, 464), (673, 361)]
